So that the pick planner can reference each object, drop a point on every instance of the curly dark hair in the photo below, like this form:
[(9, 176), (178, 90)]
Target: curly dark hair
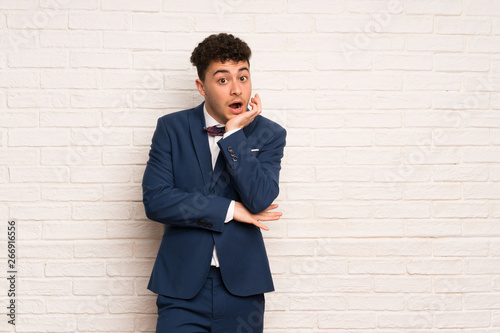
[(222, 47)]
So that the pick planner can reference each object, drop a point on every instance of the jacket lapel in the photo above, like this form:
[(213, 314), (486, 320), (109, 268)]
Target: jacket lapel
[(200, 142)]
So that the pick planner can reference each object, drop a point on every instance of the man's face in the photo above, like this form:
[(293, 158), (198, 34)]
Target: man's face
[(227, 88)]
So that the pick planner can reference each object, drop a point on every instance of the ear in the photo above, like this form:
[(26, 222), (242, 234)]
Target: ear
[(201, 87)]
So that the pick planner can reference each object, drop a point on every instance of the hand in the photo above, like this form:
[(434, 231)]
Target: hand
[(246, 117), (242, 214)]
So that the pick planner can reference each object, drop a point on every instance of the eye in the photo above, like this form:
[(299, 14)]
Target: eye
[(223, 80), (243, 78)]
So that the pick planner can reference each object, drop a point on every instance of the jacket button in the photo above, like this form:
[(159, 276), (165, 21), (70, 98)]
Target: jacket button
[(231, 154), (235, 159), (210, 225), (199, 222), (230, 149)]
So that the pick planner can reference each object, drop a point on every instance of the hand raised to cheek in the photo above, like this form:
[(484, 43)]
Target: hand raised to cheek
[(244, 119)]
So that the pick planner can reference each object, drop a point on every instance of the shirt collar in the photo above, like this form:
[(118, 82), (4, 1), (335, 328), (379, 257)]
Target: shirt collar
[(209, 120)]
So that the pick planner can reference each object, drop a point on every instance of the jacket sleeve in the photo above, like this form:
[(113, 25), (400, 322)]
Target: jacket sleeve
[(165, 203), (255, 174)]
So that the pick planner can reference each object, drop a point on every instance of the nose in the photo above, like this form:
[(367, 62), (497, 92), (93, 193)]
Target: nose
[(235, 88)]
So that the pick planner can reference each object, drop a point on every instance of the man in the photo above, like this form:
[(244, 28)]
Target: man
[(211, 178)]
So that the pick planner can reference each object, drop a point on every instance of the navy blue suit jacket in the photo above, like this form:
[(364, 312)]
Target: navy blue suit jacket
[(181, 190)]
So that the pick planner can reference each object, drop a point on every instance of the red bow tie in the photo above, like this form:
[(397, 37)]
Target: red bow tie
[(215, 130)]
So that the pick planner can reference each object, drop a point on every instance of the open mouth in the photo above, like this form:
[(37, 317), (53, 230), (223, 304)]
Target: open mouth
[(235, 106)]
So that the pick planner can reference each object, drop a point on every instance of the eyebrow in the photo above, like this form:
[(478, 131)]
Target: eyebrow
[(226, 71)]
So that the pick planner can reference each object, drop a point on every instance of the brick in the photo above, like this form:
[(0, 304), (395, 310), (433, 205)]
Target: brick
[(15, 192), (162, 22), (434, 266), (433, 228), (460, 209), (286, 62), (30, 174), (35, 98), (19, 79), (119, 156), (461, 319), (101, 211), (346, 60), (21, 4), (144, 6), (101, 136), (38, 137), (162, 100), (403, 284), (373, 120), (122, 193), (481, 191), (136, 268), (347, 320), (299, 80), (402, 100), (70, 4), (482, 266), (406, 320), (480, 154), (434, 302), (342, 138), (367, 42), (69, 79), (376, 81), (100, 249), (156, 61), (314, 192), (482, 302), (238, 24), (320, 42), (344, 284), (432, 191), (70, 39), (431, 155), (320, 7), (436, 43), (401, 137), (455, 26), (374, 192), (316, 302), (37, 20), (376, 302), (461, 63), (74, 230), (70, 119), (47, 250), (105, 323), (480, 44), (284, 23), (146, 248), (71, 192), (434, 82), (77, 305), (403, 62), (293, 319), (481, 227), (105, 60), (71, 156), (372, 156), (103, 287), (134, 40), (100, 175), (481, 119), (322, 156), (284, 247), (481, 7), (446, 7), (75, 268), (328, 173), (372, 267), (142, 137), (343, 210), (47, 323), (404, 209), (315, 266), (19, 118), (31, 305), (434, 118), (41, 212), (120, 305), (100, 21), (460, 173), (405, 173), (135, 79)]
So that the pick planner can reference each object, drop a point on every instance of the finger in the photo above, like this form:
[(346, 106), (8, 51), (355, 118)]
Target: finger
[(273, 206), (261, 225), (274, 216)]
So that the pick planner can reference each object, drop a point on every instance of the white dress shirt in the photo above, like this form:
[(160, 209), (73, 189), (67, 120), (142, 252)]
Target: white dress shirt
[(214, 151)]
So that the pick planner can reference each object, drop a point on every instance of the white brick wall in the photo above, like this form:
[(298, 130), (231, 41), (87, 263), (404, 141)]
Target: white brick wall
[(390, 184)]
